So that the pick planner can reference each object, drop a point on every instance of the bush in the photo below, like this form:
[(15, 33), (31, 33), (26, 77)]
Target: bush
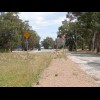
[(4, 50)]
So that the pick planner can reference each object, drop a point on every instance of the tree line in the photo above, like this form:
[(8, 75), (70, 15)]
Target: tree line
[(81, 30), (12, 30), (48, 43)]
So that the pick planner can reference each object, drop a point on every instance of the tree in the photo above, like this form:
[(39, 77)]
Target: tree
[(9, 24), (85, 30), (69, 29), (91, 21), (48, 42), (12, 31), (34, 40)]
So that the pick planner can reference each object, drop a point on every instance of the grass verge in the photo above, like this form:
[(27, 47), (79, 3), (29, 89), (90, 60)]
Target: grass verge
[(16, 70)]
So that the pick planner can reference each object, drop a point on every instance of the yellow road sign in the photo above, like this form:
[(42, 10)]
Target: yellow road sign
[(26, 35)]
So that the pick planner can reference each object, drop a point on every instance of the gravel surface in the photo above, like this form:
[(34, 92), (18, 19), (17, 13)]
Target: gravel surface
[(65, 73)]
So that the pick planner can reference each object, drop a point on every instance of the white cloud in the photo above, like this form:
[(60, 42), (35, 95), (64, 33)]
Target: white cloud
[(59, 20), (34, 15), (40, 18), (35, 27), (43, 21)]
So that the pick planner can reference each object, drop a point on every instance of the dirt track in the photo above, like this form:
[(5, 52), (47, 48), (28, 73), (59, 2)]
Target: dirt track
[(65, 73)]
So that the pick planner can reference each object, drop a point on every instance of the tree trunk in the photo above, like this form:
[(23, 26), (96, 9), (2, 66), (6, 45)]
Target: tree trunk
[(70, 48), (75, 45), (90, 47), (93, 41), (98, 49), (76, 40), (11, 49), (98, 45), (82, 45)]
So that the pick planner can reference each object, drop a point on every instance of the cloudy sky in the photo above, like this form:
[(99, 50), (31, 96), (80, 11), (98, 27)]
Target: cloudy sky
[(44, 23)]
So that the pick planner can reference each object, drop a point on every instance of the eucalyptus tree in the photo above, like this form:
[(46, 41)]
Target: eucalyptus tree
[(12, 30), (48, 42), (91, 21), (8, 29), (86, 29)]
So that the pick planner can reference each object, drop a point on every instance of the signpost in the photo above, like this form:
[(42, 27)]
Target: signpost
[(26, 35)]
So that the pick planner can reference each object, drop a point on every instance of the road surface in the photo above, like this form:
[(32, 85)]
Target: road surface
[(90, 63), (42, 50)]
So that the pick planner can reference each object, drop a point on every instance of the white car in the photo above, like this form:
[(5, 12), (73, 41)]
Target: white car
[(42, 47)]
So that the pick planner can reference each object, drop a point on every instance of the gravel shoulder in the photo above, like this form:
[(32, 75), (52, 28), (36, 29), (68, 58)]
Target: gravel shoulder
[(65, 73)]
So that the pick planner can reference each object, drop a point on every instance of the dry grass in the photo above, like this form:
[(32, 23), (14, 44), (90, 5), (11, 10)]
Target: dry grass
[(59, 54), (18, 71)]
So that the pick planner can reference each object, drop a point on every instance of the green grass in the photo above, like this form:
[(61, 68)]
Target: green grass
[(18, 71)]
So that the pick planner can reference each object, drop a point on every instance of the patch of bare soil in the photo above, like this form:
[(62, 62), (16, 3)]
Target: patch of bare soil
[(65, 73)]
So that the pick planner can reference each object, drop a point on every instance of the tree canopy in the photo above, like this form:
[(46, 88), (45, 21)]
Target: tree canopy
[(12, 30), (83, 33), (48, 42)]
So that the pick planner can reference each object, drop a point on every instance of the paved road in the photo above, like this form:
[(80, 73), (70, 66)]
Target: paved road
[(42, 50), (90, 63)]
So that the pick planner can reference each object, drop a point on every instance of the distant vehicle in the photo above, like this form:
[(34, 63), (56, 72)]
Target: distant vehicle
[(50, 47), (39, 48), (42, 47), (18, 48)]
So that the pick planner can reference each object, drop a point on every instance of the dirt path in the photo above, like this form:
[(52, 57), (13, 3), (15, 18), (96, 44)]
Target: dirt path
[(65, 73)]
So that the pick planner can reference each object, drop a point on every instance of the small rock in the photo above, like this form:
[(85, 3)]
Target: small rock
[(37, 83), (56, 75)]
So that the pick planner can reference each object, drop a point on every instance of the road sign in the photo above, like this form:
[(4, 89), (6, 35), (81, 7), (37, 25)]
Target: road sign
[(26, 35)]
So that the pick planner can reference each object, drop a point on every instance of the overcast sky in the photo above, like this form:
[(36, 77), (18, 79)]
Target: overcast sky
[(44, 23)]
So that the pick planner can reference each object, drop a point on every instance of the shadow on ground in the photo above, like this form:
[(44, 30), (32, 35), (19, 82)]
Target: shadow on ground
[(85, 54), (95, 65)]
